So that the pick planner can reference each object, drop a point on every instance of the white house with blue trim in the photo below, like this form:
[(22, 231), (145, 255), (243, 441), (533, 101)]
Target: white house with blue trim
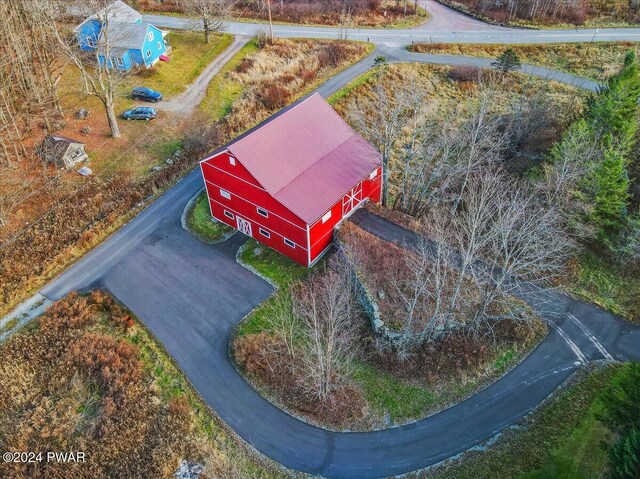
[(120, 38)]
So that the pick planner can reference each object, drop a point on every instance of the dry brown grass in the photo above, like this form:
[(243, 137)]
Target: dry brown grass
[(281, 72), (365, 13), (587, 13), (93, 208), (597, 60), (87, 377)]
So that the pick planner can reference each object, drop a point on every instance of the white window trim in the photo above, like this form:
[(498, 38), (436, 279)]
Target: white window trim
[(225, 194), (298, 245), (264, 233), (120, 62), (326, 217), (150, 35), (250, 202), (262, 212), (232, 161), (148, 53), (159, 45), (90, 42), (229, 214), (289, 243), (373, 174)]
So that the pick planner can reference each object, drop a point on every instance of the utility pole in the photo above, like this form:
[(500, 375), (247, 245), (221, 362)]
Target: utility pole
[(270, 22)]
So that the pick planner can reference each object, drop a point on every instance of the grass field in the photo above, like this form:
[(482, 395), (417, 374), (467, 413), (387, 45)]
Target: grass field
[(594, 60), (200, 224), (189, 57), (221, 91), (599, 281), (560, 440), (88, 376)]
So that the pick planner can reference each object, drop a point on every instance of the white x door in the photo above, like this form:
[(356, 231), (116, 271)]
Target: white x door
[(351, 200), (243, 226)]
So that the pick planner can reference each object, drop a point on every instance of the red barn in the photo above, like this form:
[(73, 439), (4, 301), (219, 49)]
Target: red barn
[(292, 179)]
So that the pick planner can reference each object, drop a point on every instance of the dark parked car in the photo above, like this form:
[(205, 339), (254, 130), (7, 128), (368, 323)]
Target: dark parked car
[(146, 94), (140, 113)]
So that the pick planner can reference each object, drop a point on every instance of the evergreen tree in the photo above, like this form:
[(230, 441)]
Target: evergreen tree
[(615, 108), (624, 456), (507, 61), (609, 185)]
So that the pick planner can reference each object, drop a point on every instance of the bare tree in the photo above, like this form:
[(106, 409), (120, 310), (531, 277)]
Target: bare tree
[(325, 305), (28, 77), (381, 119), (211, 14), (99, 74)]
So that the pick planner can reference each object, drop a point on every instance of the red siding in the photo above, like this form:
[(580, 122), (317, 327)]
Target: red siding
[(321, 234), (247, 195)]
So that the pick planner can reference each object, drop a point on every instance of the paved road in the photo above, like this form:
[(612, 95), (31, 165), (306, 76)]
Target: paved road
[(190, 295), (446, 25), (443, 18)]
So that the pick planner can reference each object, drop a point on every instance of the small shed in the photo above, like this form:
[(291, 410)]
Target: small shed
[(62, 151)]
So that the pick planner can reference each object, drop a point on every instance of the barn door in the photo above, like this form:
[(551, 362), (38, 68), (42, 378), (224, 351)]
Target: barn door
[(243, 226), (351, 200)]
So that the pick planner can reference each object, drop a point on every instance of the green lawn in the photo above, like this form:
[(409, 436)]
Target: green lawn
[(600, 282), (222, 91), (281, 270), (199, 221), (189, 58), (388, 395)]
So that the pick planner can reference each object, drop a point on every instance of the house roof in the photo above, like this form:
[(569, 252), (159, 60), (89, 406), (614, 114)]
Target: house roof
[(124, 35), (307, 157), (55, 146), (117, 11)]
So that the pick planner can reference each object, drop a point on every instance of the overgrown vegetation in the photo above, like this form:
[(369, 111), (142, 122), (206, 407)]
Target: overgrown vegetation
[(337, 373), (262, 79), (74, 213), (88, 377), (591, 13), (590, 173), (354, 13), (202, 224), (595, 60), (585, 431)]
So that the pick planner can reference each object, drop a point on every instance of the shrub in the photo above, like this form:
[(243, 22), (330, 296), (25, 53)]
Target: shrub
[(274, 97), (333, 54), (464, 73)]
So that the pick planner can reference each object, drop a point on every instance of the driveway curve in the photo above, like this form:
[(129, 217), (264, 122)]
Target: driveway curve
[(190, 295)]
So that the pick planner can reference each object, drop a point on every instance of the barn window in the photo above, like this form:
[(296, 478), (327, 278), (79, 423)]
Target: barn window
[(264, 233), (150, 36), (228, 214), (232, 161), (288, 242), (326, 216), (262, 212), (225, 194), (373, 174)]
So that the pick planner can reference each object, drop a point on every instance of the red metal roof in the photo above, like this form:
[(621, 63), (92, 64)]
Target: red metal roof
[(306, 157)]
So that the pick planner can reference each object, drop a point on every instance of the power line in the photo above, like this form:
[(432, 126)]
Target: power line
[(74, 193), (105, 167)]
